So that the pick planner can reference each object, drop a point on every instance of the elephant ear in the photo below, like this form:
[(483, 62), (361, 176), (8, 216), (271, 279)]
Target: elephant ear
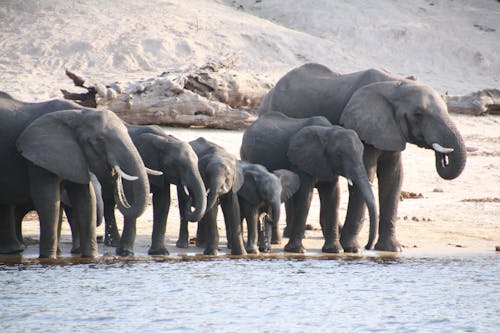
[(238, 177), (290, 183), (370, 113), (307, 152), (50, 143), (248, 190)]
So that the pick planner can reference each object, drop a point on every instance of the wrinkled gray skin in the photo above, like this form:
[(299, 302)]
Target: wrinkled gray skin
[(386, 111), (223, 178), (263, 192), (179, 164), (48, 148), (318, 152)]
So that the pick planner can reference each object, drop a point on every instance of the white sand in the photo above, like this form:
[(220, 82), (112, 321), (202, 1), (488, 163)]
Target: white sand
[(450, 45)]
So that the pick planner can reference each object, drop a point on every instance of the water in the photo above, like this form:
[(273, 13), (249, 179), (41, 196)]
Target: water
[(376, 294)]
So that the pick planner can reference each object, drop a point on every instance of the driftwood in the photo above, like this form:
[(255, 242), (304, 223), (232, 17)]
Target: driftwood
[(213, 96), (477, 103)]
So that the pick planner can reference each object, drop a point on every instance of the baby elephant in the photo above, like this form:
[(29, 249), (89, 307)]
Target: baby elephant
[(263, 192), (319, 153), (223, 178)]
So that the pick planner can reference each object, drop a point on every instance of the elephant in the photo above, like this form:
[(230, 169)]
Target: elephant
[(178, 164), (386, 111), (318, 152), (57, 143), (223, 177), (263, 192)]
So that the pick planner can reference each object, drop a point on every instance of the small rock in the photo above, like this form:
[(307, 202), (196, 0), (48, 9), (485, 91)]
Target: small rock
[(309, 227), (497, 248), (405, 218), (100, 239), (438, 190), (414, 218)]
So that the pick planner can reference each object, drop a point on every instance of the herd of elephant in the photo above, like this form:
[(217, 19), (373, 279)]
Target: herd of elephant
[(313, 126)]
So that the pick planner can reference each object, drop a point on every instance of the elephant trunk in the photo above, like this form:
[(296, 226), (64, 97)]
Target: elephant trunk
[(361, 180), (450, 164), (274, 211), (198, 198), (214, 186), (131, 193)]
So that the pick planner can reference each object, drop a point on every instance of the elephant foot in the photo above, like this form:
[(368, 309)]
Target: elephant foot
[(201, 243), (295, 247), (238, 251), (252, 250), (350, 244), (332, 247), (211, 252), (390, 244), (275, 239), (265, 249), (182, 244), (124, 252), (158, 251), (12, 248)]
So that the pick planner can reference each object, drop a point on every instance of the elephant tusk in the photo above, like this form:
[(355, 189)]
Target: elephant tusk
[(123, 174), (186, 190), (440, 149), (349, 182), (208, 191), (121, 193), (153, 172)]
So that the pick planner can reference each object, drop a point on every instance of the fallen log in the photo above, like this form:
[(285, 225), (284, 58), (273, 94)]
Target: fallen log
[(213, 96), (477, 103)]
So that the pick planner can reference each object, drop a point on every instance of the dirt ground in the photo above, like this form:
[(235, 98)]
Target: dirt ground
[(437, 217)]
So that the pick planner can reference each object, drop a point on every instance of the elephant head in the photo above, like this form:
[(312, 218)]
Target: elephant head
[(389, 114), (75, 143), (324, 152), (219, 170), (270, 188), (179, 164)]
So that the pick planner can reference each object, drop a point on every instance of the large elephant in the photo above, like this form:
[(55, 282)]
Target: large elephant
[(179, 166), (386, 111), (263, 192), (223, 178), (318, 152), (54, 143)]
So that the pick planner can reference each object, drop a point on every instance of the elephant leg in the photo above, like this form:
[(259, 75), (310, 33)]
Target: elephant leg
[(126, 247), (111, 234), (183, 239), (231, 210), (212, 232), (356, 206), (161, 206), (202, 230), (20, 212), (390, 179), (289, 218), (84, 215), (75, 231), (45, 188), (329, 195), (301, 202), (251, 216), (9, 241)]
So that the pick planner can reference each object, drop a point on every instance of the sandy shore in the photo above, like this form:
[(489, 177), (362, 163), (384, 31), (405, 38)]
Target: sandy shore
[(449, 217)]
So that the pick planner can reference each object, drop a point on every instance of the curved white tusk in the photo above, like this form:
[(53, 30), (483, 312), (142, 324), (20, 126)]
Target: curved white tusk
[(123, 174), (121, 193), (208, 191), (186, 191), (349, 182), (153, 172), (440, 149)]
